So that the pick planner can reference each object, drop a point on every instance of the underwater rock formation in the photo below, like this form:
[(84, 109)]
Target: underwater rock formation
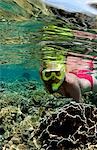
[(72, 126)]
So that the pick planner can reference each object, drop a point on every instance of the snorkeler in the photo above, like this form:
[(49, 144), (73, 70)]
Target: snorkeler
[(71, 79)]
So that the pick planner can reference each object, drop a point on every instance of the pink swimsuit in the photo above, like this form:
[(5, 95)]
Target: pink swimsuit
[(86, 73)]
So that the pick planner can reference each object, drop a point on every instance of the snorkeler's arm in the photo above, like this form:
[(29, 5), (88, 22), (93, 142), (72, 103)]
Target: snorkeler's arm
[(75, 92), (73, 88)]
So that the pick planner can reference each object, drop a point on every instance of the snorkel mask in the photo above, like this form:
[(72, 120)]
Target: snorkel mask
[(54, 71)]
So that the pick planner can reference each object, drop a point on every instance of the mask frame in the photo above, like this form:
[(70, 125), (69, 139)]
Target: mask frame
[(53, 74)]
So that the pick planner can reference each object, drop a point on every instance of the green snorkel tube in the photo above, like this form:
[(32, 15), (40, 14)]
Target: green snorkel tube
[(55, 86)]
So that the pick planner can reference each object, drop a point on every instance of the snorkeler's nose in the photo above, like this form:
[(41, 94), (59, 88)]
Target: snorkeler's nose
[(53, 77)]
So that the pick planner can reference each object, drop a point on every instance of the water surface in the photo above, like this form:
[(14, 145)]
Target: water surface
[(26, 43)]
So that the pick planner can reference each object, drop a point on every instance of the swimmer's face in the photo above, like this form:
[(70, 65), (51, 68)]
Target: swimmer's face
[(55, 77)]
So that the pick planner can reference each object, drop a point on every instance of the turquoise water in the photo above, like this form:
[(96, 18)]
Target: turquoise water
[(19, 54)]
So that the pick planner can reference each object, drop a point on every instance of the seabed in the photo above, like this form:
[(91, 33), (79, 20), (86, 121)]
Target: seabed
[(32, 119)]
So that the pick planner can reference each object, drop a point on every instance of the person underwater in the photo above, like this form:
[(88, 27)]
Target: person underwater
[(72, 78), (76, 75)]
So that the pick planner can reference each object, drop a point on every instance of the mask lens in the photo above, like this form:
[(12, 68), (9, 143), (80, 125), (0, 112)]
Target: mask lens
[(47, 74), (58, 73)]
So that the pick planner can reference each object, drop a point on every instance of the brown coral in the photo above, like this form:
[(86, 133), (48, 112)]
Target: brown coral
[(71, 126)]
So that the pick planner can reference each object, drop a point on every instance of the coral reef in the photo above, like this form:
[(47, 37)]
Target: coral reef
[(25, 113), (17, 115), (22, 104), (73, 126)]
